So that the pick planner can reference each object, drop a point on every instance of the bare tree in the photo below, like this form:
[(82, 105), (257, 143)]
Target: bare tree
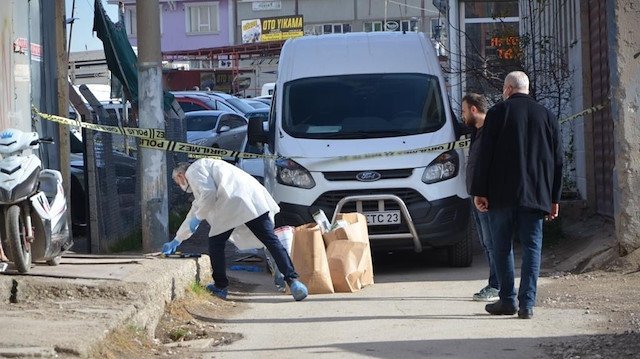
[(535, 45)]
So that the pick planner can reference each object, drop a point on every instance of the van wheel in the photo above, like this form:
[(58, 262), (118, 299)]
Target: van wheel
[(461, 253)]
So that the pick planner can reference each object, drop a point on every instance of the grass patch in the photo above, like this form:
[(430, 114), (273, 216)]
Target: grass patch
[(178, 334), (196, 288)]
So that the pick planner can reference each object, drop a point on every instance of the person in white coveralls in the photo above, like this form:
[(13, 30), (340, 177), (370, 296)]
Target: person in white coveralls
[(231, 201)]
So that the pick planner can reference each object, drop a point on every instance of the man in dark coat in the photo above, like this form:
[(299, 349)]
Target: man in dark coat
[(518, 180)]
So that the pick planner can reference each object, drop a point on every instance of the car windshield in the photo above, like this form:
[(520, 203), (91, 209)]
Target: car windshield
[(201, 122), (240, 105), (363, 106)]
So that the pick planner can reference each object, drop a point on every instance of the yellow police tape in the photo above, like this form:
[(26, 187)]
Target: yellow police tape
[(155, 139)]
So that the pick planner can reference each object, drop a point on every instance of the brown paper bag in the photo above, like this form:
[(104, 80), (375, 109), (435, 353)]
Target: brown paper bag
[(357, 230), (360, 256), (345, 259), (310, 259)]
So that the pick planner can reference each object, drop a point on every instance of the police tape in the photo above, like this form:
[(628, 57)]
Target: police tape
[(155, 139), (151, 133), (588, 111)]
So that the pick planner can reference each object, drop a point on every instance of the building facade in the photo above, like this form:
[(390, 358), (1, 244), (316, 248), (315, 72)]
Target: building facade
[(191, 24), (562, 45)]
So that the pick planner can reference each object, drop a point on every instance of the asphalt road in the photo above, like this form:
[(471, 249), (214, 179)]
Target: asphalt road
[(418, 308)]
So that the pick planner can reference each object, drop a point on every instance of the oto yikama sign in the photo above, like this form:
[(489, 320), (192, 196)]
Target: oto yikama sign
[(271, 29)]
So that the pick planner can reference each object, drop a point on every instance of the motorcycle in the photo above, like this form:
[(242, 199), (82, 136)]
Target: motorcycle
[(33, 207)]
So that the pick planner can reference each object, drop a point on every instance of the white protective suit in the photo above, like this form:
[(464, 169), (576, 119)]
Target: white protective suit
[(226, 197)]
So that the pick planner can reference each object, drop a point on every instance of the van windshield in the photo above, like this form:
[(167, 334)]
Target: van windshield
[(363, 106)]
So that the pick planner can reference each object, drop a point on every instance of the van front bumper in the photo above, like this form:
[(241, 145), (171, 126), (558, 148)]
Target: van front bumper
[(439, 223)]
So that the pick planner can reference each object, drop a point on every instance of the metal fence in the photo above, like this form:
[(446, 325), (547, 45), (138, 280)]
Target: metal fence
[(106, 188)]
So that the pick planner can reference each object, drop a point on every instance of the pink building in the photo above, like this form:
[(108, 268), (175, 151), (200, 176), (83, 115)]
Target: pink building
[(186, 24)]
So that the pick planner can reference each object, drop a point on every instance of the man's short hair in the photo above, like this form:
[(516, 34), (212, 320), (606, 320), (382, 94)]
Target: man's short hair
[(180, 168), (518, 80), (474, 99)]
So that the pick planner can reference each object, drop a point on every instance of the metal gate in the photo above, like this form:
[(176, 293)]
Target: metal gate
[(603, 139)]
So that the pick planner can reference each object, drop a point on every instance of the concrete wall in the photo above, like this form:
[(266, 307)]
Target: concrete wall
[(15, 66), (624, 60)]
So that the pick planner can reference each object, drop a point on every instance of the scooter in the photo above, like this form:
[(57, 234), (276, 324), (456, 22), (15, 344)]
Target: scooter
[(33, 207)]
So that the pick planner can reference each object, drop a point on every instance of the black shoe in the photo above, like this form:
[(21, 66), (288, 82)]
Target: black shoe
[(525, 313), (500, 308)]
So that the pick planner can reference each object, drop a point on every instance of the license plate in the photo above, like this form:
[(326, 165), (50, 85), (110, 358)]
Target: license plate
[(382, 217)]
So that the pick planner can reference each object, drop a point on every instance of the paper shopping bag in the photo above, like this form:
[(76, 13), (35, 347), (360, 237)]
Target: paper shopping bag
[(310, 259), (345, 263), (355, 231)]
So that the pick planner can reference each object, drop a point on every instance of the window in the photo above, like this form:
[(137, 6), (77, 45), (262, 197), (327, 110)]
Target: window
[(201, 123), (188, 106), (362, 106), (492, 45), (202, 18), (232, 121), (221, 106), (130, 22), (327, 29), (373, 26)]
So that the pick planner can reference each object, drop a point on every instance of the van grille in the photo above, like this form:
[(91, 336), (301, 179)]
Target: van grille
[(351, 175), (331, 199)]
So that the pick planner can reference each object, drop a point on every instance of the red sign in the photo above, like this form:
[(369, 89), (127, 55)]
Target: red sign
[(21, 44)]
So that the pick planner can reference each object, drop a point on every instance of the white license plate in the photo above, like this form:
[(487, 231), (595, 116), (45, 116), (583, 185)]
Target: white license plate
[(382, 217)]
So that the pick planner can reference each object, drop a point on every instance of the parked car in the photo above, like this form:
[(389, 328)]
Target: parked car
[(264, 99), (220, 129), (237, 103), (262, 113), (198, 101), (255, 103), (253, 166)]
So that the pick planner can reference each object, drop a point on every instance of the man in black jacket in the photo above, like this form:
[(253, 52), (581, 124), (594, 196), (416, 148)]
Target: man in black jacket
[(518, 180)]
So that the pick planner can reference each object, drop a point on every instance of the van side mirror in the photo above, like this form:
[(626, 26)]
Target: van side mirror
[(255, 132)]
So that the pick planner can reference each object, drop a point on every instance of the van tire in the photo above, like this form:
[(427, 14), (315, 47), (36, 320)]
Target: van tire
[(461, 253)]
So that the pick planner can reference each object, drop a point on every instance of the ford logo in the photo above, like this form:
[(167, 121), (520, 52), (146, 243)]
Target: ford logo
[(368, 176)]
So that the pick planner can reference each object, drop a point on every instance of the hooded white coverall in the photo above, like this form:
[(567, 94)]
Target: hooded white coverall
[(236, 206), (226, 197)]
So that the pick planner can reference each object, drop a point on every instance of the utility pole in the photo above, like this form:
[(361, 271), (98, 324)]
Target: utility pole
[(153, 164), (62, 71)]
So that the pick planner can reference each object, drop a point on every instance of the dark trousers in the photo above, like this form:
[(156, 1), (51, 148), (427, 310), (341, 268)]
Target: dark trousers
[(529, 226), (262, 228)]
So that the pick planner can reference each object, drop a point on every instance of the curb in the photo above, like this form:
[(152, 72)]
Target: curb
[(66, 317)]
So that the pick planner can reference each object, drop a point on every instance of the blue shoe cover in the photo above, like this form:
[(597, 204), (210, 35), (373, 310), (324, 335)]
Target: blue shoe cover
[(218, 292), (298, 290)]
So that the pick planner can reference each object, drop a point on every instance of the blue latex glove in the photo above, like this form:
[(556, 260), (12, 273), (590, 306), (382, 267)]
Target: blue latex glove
[(194, 223), (170, 247)]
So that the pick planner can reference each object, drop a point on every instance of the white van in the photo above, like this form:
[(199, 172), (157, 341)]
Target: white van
[(267, 89), (362, 93)]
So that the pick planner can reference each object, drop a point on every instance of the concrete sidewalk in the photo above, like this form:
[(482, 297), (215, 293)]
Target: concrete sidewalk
[(67, 309)]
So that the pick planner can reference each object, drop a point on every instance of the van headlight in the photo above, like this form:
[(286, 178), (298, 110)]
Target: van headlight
[(442, 168), (290, 173)]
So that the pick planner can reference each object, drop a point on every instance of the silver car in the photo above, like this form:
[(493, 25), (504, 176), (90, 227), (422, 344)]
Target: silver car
[(219, 129)]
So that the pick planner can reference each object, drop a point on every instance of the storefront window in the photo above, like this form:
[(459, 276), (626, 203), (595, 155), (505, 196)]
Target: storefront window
[(492, 45)]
